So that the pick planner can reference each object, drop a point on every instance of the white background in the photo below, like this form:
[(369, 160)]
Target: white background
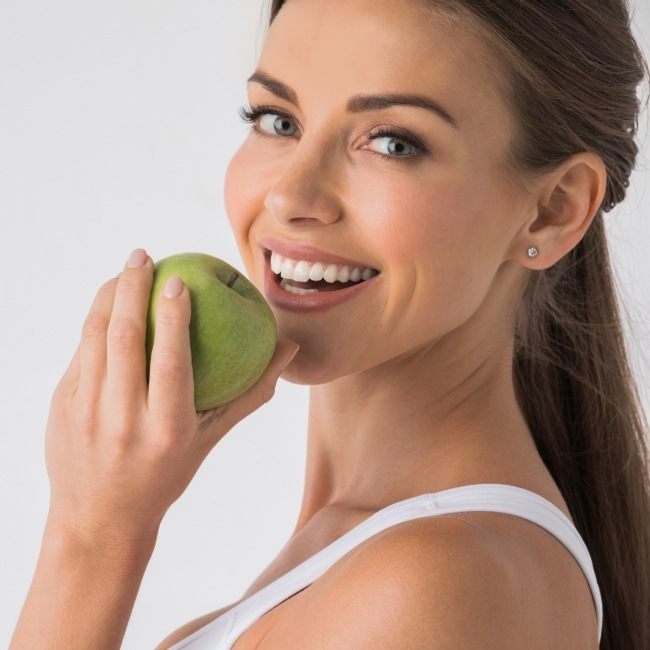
[(117, 122)]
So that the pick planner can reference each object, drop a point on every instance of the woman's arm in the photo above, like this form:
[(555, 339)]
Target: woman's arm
[(82, 593), (120, 448)]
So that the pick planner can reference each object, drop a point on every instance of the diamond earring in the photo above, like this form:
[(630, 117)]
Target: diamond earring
[(533, 252)]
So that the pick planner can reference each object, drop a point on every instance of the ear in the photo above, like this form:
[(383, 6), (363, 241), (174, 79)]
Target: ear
[(566, 201)]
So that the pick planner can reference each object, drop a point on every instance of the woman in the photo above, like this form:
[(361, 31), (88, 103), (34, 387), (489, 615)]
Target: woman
[(476, 472)]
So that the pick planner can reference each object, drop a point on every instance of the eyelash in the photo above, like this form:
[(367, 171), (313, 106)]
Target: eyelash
[(255, 111)]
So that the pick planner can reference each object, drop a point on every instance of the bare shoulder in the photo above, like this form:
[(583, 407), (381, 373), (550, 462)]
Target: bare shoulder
[(436, 583), (427, 583), (191, 627)]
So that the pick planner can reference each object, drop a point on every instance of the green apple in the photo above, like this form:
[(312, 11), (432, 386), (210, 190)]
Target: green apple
[(233, 331)]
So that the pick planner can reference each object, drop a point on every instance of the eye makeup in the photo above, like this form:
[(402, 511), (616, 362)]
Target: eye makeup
[(252, 114)]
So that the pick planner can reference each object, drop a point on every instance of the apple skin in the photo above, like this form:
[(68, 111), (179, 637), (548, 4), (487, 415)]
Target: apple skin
[(233, 331)]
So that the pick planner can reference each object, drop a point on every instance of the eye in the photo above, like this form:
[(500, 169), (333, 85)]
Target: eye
[(278, 120), (276, 123), (275, 120), (401, 142)]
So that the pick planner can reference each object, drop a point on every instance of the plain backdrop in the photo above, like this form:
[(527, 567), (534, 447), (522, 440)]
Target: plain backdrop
[(117, 122)]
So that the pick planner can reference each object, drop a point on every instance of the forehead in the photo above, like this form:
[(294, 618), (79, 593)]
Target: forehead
[(331, 49)]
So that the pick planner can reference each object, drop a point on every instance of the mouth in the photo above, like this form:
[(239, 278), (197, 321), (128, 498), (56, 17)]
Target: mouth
[(311, 286)]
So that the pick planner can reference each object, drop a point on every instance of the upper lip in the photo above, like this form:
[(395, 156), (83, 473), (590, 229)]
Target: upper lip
[(300, 251)]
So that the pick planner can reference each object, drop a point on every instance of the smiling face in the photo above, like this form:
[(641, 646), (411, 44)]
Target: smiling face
[(437, 216)]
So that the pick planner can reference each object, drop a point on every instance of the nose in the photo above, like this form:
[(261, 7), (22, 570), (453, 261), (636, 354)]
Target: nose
[(305, 193)]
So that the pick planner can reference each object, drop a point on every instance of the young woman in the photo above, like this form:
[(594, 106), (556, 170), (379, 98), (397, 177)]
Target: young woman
[(477, 474)]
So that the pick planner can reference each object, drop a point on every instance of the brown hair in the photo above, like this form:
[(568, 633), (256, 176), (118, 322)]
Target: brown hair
[(572, 68)]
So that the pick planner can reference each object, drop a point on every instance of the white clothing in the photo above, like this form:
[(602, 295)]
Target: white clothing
[(223, 632)]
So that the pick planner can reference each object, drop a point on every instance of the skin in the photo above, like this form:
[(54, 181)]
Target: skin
[(411, 387)]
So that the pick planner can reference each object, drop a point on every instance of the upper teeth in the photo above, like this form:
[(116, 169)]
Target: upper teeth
[(303, 271)]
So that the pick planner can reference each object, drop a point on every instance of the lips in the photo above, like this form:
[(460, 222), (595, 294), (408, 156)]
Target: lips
[(301, 251)]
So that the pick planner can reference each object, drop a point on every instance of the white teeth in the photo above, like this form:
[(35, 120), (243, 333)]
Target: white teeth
[(316, 272), (276, 263), (292, 289), (302, 271), (286, 271), (331, 273)]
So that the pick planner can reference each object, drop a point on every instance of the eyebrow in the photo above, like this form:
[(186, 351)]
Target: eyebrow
[(358, 103)]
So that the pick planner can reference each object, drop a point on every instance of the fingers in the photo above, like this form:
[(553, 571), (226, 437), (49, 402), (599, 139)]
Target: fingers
[(125, 342), (171, 382), (92, 348), (70, 379)]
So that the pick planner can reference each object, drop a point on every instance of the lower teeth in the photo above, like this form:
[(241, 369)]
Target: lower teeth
[(291, 289)]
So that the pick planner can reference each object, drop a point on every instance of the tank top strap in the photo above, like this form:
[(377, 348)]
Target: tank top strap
[(222, 633)]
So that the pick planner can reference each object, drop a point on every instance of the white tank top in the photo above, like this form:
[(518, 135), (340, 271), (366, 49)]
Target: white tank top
[(223, 632)]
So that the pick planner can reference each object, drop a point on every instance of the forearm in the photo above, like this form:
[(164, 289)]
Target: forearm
[(82, 594)]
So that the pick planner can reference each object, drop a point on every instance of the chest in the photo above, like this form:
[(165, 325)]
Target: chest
[(554, 592)]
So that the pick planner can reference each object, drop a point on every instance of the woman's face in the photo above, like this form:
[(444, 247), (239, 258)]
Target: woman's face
[(437, 219)]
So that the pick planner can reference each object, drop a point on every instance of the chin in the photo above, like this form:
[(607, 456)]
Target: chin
[(305, 372)]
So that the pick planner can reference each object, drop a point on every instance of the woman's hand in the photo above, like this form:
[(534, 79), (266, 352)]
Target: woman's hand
[(119, 452)]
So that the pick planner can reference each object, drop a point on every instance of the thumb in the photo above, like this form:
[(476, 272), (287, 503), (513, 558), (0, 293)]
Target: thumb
[(286, 353)]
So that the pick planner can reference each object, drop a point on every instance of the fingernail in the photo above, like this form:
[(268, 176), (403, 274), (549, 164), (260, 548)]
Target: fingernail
[(173, 287), (137, 258)]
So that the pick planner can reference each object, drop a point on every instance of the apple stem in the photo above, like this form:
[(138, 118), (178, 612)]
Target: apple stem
[(232, 280)]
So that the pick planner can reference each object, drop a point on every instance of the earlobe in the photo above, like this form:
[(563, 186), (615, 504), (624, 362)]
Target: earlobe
[(568, 204)]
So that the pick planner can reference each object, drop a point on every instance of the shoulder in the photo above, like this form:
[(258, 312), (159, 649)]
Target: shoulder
[(189, 628), (427, 583)]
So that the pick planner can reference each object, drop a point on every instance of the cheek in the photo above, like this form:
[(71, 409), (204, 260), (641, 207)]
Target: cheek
[(244, 201), (409, 217), (431, 235), (239, 191)]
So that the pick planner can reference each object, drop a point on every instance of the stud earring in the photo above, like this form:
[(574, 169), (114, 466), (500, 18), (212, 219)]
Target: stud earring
[(533, 251)]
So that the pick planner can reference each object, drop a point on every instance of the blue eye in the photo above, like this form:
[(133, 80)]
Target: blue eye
[(283, 120), (388, 134), (253, 115)]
